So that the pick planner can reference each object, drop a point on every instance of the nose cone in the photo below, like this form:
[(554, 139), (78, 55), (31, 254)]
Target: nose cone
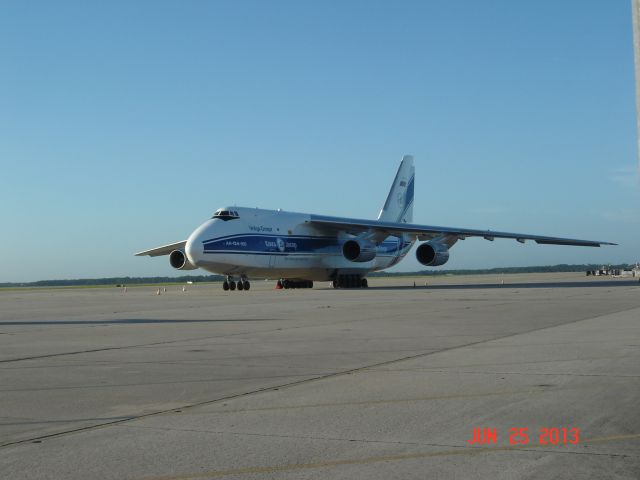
[(193, 248)]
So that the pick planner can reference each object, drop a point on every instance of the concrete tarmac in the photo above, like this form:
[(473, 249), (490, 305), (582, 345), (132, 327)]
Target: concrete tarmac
[(379, 383)]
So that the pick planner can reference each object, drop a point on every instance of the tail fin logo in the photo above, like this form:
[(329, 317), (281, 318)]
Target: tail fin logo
[(399, 204)]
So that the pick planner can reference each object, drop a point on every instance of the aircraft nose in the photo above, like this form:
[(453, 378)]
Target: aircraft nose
[(193, 248), (190, 249)]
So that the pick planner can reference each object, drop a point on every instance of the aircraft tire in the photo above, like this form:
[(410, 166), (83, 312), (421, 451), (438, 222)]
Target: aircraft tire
[(232, 285), (364, 283), (240, 285), (247, 285), (286, 284), (225, 285)]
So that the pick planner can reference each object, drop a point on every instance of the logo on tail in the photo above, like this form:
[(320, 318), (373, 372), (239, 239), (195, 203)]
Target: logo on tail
[(400, 210)]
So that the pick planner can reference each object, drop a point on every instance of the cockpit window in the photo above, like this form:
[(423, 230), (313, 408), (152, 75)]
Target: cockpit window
[(226, 214)]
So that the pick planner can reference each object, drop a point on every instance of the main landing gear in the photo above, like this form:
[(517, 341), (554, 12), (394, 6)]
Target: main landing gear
[(229, 284), (286, 283), (350, 281)]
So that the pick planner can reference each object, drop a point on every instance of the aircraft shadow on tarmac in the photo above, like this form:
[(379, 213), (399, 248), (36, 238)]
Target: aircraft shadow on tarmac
[(127, 321), (488, 286)]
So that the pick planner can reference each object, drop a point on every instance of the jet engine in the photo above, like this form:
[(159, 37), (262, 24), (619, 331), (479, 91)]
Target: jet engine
[(179, 260), (357, 250), (432, 254)]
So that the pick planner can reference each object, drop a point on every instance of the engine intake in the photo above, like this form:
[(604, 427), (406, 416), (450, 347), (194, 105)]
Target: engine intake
[(357, 250), (432, 254), (179, 260)]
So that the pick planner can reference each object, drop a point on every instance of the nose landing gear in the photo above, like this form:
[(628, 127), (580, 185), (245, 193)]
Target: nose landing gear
[(230, 284)]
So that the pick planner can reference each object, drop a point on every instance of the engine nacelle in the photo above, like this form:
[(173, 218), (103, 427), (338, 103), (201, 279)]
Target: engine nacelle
[(432, 254), (179, 260), (356, 250)]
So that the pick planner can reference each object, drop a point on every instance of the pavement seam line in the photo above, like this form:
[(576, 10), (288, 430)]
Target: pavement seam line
[(170, 342)]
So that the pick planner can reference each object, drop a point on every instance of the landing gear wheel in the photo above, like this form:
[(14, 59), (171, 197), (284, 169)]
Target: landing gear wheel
[(225, 285), (232, 285), (364, 283), (247, 285), (240, 285), (286, 284)]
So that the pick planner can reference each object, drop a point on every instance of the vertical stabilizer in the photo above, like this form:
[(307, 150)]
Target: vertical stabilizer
[(399, 204)]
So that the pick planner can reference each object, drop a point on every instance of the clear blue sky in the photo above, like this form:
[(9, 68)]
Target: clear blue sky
[(124, 125)]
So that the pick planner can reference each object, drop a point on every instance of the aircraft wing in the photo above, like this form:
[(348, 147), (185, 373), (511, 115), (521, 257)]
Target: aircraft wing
[(429, 232), (164, 250)]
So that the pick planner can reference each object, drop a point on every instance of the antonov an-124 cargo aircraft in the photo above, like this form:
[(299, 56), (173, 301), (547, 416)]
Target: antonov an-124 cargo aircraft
[(298, 248)]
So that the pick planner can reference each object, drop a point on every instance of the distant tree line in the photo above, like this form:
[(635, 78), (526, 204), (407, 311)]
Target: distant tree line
[(218, 278)]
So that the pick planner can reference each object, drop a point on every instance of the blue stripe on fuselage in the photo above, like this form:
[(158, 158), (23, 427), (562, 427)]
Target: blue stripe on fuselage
[(261, 244)]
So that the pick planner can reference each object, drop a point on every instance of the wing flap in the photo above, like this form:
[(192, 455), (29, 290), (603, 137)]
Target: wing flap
[(573, 243), (428, 232), (164, 250)]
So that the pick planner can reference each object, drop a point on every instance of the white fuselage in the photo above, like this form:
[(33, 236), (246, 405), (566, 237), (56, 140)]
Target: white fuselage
[(276, 244)]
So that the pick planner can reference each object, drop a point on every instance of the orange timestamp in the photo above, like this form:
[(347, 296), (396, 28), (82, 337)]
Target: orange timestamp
[(523, 436)]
